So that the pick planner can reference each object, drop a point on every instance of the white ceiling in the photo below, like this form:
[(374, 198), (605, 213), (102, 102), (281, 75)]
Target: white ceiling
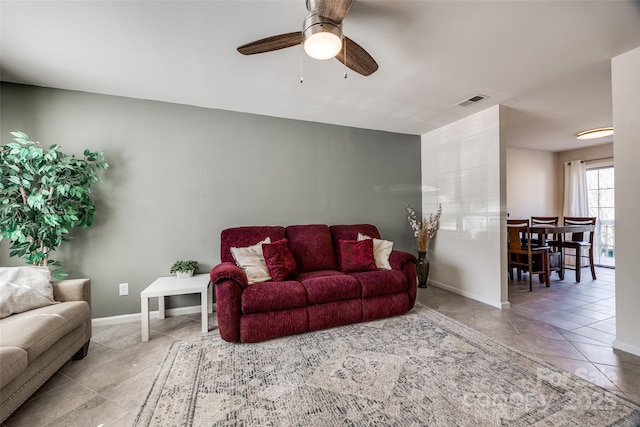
[(548, 61)]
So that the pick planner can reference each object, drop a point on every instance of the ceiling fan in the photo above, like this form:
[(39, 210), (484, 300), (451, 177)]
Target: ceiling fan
[(322, 37)]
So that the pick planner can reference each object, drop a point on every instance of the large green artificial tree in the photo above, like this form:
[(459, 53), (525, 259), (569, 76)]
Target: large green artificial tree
[(44, 193)]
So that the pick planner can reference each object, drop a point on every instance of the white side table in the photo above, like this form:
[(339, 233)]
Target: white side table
[(171, 285)]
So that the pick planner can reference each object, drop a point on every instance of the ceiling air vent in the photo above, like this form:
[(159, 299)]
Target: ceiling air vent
[(472, 100)]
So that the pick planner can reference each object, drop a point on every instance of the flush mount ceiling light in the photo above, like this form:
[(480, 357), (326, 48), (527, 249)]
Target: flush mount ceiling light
[(322, 37), (595, 133)]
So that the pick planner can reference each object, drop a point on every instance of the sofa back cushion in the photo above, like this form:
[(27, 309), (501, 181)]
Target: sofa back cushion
[(350, 232), (241, 237), (312, 247)]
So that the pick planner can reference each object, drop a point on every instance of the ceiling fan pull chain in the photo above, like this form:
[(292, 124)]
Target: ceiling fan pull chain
[(301, 54), (344, 42)]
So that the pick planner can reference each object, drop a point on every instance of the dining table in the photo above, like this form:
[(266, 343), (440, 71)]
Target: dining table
[(543, 230)]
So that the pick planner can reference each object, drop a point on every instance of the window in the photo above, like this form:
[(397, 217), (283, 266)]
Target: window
[(600, 189)]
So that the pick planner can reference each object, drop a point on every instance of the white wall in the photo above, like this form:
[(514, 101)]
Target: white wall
[(535, 179), (626, 148), (532, 182), (462, 168), (586, 154)]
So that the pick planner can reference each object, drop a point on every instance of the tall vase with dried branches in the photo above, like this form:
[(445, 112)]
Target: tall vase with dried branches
[(424, 231)]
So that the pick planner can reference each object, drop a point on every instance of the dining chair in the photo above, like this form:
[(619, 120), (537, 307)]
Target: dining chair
[(550, 220), (544, 220), (522, 242), (578, 243), (526, 257), (554, 249), (519, 222)]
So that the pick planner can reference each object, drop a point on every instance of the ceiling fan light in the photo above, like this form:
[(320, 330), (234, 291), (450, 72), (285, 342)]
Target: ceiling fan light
[(322, 37), (595, 133), (323, 45)]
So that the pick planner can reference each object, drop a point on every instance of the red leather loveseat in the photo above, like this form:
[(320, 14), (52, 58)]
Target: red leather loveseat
[(322, 290)]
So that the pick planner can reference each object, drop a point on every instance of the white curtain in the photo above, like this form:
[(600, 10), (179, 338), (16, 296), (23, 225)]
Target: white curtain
[(575, 189)]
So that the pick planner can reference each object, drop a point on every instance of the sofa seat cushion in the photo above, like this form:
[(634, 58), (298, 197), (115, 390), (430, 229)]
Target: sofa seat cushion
[(330, 288), (35, 331), (13, 361), (320, 273), (381, 282), (272, 296)]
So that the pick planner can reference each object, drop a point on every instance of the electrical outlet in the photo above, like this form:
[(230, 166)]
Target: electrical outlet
[(124, 289)]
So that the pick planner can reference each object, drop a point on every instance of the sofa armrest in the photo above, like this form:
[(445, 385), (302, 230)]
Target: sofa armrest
[(228, 270), (398, 259), (230, 281), (76, 290), (72, 290), (406, 263)]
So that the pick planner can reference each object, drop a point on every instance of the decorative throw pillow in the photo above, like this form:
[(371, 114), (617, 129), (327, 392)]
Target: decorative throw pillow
[(354, 256), (381, 251), (24, 288), (251, 260), (280, 261)]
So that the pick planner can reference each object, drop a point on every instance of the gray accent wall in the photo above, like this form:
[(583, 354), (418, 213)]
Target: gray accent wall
[(180, 174)]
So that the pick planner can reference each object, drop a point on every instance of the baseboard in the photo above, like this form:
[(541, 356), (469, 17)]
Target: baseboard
[(125, 318), (500, 305), (629, 348)]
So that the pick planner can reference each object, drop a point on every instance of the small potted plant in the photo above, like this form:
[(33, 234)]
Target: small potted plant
[(184, 269)]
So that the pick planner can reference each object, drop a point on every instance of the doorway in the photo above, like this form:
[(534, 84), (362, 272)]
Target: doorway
[(601, 204)]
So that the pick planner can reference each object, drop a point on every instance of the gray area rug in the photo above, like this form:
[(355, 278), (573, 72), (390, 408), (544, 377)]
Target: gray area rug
[(413, 370)]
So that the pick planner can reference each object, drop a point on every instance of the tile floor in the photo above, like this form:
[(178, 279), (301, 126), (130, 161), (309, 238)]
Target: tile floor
[(568, 325)]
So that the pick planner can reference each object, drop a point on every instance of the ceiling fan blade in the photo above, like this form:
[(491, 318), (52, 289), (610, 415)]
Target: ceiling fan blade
[(271, 43), (358, 59), (336, 10)]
